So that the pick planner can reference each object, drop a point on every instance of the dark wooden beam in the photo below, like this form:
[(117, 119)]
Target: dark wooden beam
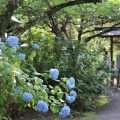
[(111, 48), (111, 28)]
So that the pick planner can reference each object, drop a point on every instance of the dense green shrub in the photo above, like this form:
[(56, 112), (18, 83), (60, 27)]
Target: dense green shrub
[(80, 60), (43, 77), (21, 84)]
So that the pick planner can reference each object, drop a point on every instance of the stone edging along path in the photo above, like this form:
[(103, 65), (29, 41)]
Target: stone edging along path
[(112, 110)]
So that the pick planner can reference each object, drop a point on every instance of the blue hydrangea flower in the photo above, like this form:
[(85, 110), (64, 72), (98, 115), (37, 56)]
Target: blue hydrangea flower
[(54, 73), (42, 106), (14, 49), (22, 56), (2, 46), (73, 93), (12, 40), (16, 90), (70, 99), (67, 54), (115, 69), (35, 46), (27, 97), (111, 81), (9, 79), (17, 46), (71, 83), (80, 56), (65, 111), (41, 81), (0, 52), (72, 80)]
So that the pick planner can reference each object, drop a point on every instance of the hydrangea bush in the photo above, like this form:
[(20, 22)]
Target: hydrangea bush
[(26, 87), (81, 60), (69, 80)]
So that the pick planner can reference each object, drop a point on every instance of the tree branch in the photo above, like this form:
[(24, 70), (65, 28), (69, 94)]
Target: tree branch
[(5, 18), (20, 30), (100, 33)]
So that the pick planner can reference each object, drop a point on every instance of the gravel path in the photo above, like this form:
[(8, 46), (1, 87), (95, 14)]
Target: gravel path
[(112, 110)]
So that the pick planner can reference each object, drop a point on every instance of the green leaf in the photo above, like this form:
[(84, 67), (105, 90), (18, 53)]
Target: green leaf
[(52, 92), (57, 88), (6, 71), (55, 101), (30, 85), (50, 86), (46, 76), (64, 85), (37, 81), (60, 95), (32, 55), (55, 108), (36, 87), (44, 94)]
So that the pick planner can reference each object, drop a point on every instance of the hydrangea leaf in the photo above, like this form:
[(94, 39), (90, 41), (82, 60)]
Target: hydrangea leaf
[(6, 71), (29, 105), (54, 100), (46, 76), (64, 86), (60, 95), (50, 86), (36, 87), (55, 108), (32, 55), (57, 88), (52, 92), (37, 81), (44, 94), (30, 85)]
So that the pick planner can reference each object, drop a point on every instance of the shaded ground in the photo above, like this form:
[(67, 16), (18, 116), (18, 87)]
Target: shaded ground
[(33, 115), (112, 110)]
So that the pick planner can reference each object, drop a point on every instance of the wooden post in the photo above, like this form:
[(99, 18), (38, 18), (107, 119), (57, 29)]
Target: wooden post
[(112, 63), (111, 50)]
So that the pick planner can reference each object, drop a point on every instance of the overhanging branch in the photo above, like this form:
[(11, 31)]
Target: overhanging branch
[(102, 32), (20, 30)]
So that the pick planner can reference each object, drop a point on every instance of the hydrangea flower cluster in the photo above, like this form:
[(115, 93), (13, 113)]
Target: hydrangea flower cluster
[(54, 73), (35, 46), (0, 52), (12, 41), (72, 97), (16, 90), (14, 49), (41, 81), (73, 93), (42, 106), (65, 111), (17, 47), (71, 83), (2, 46), (27, 97), (67, 54), (115, 69), (22, 56)]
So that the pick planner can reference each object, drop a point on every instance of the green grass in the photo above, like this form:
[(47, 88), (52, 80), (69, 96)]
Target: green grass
[(90, 116), (102, 101)]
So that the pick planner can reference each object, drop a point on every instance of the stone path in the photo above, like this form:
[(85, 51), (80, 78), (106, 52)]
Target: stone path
[(112, 110)]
